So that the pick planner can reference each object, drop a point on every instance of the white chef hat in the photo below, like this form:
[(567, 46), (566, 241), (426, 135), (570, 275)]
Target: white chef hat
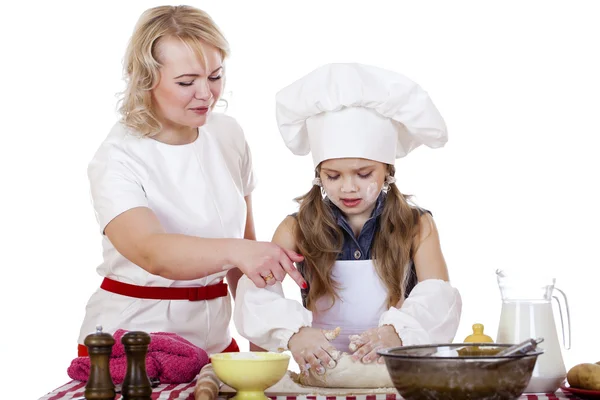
[(357, 111)]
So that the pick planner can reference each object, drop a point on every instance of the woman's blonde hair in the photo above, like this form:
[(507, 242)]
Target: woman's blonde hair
[(320, 240), (141, 64)]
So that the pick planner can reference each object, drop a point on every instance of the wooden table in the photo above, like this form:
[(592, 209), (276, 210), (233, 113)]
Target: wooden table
[(185, 391)]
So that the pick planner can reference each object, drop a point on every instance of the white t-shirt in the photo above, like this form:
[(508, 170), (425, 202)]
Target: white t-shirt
[(196, 189)]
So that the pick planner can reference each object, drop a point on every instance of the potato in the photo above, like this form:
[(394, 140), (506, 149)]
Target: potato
[(585, 376)]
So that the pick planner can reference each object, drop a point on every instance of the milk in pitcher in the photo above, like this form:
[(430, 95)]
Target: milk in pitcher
[(520, 320), (527, 313)]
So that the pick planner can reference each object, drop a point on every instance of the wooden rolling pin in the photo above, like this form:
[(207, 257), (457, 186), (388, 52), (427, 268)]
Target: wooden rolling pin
[(207, 384)]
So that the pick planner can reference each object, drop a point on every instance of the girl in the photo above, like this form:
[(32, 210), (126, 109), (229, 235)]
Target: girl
[(375, 270)]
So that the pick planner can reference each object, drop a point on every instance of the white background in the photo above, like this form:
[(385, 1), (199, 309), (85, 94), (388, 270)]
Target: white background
[(516, 185)]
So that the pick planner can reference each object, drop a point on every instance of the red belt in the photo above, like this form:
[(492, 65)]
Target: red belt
[(166, 293)]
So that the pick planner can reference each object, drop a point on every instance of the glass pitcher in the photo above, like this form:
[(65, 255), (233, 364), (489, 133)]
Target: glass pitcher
[(527, 313)]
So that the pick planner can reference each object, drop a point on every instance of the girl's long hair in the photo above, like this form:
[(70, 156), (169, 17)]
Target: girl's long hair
[(320, 240)]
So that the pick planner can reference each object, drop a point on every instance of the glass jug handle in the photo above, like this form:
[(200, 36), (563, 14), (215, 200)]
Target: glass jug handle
[(566, 305)]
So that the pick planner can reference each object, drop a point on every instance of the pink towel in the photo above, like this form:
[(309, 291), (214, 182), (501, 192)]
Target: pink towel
[(170, 358)]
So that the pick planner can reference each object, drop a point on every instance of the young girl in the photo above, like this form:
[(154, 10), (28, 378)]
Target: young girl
[(375, 270)]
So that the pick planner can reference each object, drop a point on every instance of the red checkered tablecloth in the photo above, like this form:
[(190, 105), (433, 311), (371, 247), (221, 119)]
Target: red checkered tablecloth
[(75, 389)]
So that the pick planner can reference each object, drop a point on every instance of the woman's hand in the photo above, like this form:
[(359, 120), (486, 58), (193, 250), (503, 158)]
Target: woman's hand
[(311, 349), (266, 263), (364, 346)]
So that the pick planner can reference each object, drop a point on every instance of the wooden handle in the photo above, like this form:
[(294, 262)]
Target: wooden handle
[(207, 384)]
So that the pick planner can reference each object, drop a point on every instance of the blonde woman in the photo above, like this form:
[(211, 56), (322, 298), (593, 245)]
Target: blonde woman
[(171, 187), (373, 262)]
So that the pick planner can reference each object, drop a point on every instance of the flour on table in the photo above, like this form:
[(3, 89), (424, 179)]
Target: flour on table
[(289, 386)]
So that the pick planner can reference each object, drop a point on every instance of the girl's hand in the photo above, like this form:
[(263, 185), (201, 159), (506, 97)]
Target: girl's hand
[(364, 346)]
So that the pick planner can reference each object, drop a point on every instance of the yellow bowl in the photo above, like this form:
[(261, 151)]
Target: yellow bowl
[(250, 373)]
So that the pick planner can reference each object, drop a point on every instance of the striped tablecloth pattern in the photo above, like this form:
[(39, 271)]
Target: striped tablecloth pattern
[(185, 391)]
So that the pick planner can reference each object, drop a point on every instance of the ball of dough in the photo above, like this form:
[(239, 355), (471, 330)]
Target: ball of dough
[(349, 374)]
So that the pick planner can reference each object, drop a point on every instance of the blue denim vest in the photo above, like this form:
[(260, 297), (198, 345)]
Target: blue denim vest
[(359, 248)]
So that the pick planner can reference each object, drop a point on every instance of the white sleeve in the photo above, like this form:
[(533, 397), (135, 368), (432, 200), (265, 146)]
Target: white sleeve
[(265, 317), (115, 188), (430, 314), (248, 176)]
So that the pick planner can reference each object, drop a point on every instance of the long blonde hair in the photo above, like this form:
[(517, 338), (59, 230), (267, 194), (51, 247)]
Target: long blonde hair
[(320, 240), (141, 64)]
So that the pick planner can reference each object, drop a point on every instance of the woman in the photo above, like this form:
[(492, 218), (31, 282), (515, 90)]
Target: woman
[(377, 277), (171, 187)]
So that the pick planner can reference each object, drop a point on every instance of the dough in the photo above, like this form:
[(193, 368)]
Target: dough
[(349, 374)]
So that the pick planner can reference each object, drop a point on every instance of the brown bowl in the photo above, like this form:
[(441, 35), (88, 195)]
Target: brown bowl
[(458, 371)]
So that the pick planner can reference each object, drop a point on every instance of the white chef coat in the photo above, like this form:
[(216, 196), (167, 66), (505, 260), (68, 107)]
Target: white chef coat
[(430, 314), (195, 189)]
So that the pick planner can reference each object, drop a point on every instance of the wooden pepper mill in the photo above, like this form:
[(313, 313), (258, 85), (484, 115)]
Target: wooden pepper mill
[(99, 385), (136, 385)]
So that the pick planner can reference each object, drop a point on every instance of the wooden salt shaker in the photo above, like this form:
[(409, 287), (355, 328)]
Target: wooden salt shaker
[(136, 385), (99, 385)]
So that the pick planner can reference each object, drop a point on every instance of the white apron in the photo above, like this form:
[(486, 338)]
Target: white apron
[(363, 298)]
